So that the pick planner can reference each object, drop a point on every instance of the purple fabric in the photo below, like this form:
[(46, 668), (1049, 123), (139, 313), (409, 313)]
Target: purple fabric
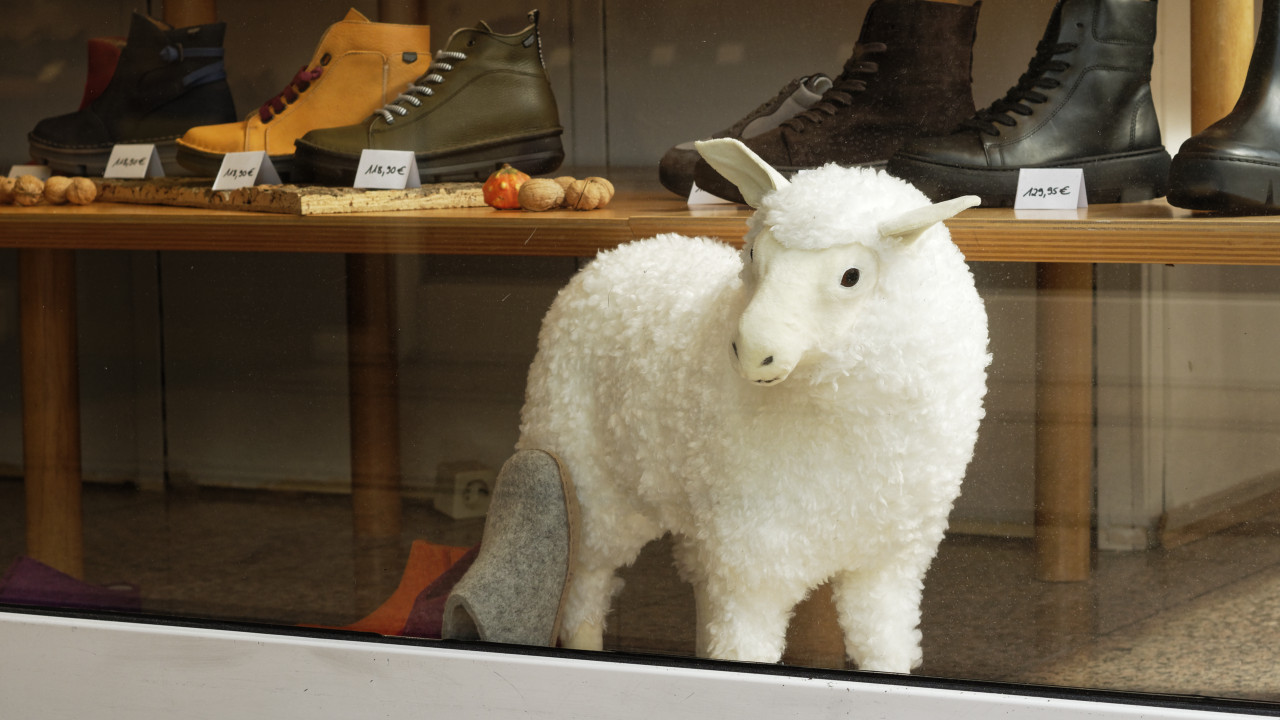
[(30, 582), (427, 616)]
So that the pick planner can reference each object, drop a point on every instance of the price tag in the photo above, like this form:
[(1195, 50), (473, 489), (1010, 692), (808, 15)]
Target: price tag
[(245, 169), (698, 196), (387, 170), (1050, 189), (41, 171), (134, 162)]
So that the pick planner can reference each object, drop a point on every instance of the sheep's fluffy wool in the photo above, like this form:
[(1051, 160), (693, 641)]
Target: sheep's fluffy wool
[(844, 472)]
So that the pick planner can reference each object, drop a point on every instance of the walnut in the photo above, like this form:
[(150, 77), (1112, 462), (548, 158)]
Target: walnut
[(564, 181), (81, 191), (28, 190), (6, 190), (608, 186), (541, 194), (55, 189), (588, 194)]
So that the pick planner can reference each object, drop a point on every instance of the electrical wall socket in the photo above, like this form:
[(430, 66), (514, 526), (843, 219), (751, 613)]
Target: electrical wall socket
[(463, 489)]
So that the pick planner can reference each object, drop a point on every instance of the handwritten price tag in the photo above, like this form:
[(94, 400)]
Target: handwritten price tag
[(245, 169), (387, 170), (134, 162), (1050, 189)]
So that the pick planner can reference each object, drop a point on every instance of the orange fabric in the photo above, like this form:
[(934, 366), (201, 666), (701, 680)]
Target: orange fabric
[(427, 562)]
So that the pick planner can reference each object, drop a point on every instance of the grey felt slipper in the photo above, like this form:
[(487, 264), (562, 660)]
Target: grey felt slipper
[(515, 590)]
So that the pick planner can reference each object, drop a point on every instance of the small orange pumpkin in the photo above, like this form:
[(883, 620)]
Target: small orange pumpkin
[(502, 189)]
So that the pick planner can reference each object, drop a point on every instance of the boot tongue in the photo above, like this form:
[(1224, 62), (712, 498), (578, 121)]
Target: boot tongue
[(354, 15), (1055, 22)]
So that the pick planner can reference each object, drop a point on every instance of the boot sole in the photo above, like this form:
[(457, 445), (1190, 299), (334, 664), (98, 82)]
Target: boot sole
[(535, 156), (1223, 184), (207, 164), (92, 161), (1130, 177)]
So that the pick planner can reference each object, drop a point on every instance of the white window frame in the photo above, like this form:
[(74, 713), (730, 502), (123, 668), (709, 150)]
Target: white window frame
[(68, 666)]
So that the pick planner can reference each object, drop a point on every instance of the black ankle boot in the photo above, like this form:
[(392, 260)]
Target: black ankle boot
[(167, 81), (1084, 102), (910, 75), (1234, 164)]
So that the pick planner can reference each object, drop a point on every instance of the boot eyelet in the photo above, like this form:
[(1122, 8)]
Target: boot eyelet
[(324, 60)]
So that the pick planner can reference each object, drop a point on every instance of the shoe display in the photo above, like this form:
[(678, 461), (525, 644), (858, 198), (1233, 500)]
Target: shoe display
[(358, 67), (909, 75), (1084, 102), (675, 170), (1234, 164), (166, 81), (484, 102)]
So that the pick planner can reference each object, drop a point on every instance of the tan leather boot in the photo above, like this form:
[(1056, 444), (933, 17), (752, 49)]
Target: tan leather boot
[(358, 67)]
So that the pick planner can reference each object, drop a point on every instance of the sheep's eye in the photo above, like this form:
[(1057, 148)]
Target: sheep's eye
[(751, 253), (850, 277)]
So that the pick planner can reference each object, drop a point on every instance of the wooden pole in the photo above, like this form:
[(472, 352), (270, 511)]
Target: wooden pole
[(51, 408), (1221, 45), (1064, 420), (375, 424), (404, 12), (185, 13)]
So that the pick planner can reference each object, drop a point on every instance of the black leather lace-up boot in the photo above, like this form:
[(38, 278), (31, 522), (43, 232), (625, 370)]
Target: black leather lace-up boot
[(909, 75), (1234, 164), (1084, 102), (167, 81)]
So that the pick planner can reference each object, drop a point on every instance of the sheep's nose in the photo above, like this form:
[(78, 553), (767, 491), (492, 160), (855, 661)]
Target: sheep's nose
[(766, 361)]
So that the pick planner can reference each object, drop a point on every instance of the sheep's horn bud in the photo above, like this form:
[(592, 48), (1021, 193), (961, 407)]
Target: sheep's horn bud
[(913, 222)]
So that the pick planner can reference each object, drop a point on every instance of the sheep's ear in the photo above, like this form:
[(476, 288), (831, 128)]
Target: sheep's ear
[(742, 167), (911, 224)]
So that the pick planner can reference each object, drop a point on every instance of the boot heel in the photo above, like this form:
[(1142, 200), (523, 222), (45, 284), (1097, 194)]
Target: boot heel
[(1132, 178)]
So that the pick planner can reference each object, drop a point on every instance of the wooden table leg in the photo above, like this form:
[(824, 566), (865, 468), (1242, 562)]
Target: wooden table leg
[(51, 408), (375, 424), (1064, 420)]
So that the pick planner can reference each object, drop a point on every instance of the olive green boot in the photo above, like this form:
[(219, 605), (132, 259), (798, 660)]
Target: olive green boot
[(485, 101)]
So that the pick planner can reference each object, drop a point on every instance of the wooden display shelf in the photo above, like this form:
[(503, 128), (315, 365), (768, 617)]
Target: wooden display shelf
[(1149, 232)]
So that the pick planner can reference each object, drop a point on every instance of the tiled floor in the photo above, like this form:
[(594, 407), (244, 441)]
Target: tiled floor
[(1200, 619)]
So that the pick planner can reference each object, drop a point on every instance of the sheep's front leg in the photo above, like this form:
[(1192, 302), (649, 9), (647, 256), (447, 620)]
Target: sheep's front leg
[(879, 612), (590, 595), (747, 622)]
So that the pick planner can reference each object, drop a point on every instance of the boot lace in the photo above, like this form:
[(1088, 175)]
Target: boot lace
[(300, 82), (1015, 101), (846, 86), (443, 62)]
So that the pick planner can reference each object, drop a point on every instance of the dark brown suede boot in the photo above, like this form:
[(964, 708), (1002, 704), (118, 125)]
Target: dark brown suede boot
[(910, 75), (166, 81)]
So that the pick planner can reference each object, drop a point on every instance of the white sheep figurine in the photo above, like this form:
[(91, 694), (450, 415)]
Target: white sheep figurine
[(798, 412)]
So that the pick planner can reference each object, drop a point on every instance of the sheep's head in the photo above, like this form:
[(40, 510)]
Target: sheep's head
[(814, 252)]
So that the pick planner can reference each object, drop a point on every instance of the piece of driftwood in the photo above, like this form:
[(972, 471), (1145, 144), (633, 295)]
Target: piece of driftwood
[(287, 199)]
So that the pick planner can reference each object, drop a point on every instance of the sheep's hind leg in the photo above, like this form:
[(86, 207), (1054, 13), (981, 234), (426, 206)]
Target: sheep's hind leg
[(747, 622), (879, 612)]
